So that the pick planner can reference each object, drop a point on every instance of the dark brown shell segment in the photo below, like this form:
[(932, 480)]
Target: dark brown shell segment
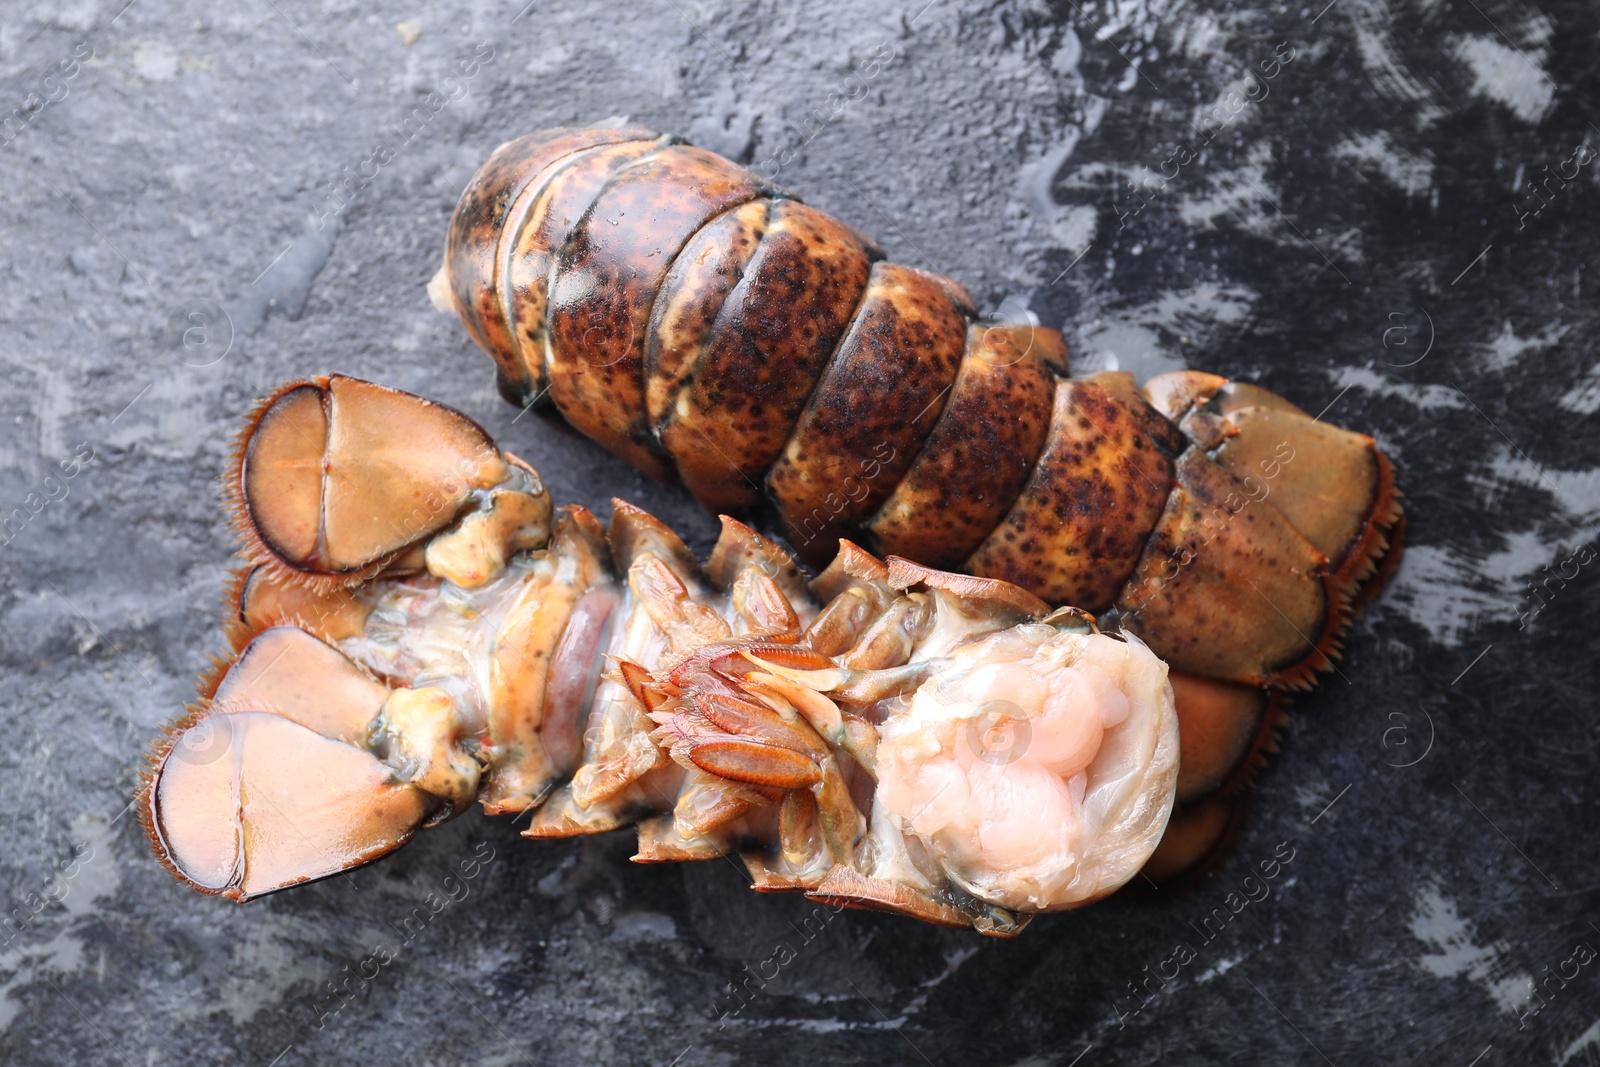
[(1226, 587), (684, 319), (481, 218), (873, 406), (606, 279), (735, 359), (1162, 433), (540, 222), (979, 454), (1078, 528)]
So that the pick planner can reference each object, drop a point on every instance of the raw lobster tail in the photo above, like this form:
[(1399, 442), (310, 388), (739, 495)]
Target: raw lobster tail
[(692, 318), (417, 628), (885, 736)]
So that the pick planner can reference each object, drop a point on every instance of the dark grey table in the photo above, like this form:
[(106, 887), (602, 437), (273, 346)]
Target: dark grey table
[(1353, 227)]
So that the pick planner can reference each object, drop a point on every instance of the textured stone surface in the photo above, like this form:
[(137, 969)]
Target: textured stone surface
[(1353, 234)]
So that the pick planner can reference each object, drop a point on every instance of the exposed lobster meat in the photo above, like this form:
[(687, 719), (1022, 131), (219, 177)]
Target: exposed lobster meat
[(699, 321), (416, 628)]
